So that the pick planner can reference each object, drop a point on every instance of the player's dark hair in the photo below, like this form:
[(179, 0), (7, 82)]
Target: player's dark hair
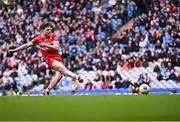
[(44, 25)]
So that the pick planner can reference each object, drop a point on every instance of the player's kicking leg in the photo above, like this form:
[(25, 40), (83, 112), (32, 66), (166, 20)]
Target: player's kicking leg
[(58, 66), (53, 83)]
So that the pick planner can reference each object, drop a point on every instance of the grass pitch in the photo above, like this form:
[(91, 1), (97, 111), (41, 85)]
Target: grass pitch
[(91, 108)]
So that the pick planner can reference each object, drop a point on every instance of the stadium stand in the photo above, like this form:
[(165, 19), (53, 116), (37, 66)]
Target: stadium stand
[(145, 51)]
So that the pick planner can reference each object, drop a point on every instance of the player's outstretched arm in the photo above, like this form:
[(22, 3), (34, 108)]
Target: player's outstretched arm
[(22, 47)]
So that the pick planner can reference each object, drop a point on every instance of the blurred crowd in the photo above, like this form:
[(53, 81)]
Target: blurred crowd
[(79, 25), (84, 29), (151, 37)]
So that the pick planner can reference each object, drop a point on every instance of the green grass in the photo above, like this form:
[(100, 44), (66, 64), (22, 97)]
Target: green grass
[(86, 108)]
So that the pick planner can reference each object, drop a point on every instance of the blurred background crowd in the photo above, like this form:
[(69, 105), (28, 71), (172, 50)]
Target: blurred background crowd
[(114, 43)]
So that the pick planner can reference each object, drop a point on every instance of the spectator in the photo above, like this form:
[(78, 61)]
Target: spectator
[(141, 78), (137, 63), (89, 85), (172, 76), (159, 76), (126, 83), (156, 69), (135, 87), (118, 83)]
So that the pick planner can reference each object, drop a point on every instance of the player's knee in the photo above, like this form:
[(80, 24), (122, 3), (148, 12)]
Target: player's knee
[(58, 74)]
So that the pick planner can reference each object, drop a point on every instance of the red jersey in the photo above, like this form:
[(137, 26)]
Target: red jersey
[(46, 52)]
